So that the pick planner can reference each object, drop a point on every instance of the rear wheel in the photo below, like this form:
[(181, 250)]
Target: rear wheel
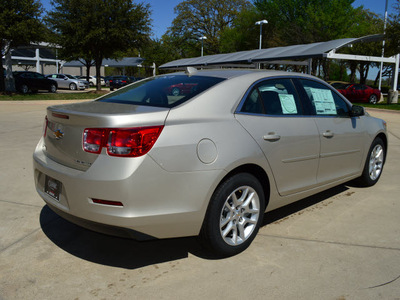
[(53, 88), (373, 99), (72, 87), (234, 215), (374, 164)]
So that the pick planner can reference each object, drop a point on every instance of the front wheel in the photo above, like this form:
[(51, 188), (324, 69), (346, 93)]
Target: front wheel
[(234, 215), (24, 89), (373, 99), (73, 87), (374, 164)]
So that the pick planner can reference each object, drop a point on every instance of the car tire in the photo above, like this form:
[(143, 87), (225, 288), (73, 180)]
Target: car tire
[(373, 99), (91, 84), (234, 215), (175, 91), (53, 88), (73, 87), (24, 89), (111, 88), (374, 164)]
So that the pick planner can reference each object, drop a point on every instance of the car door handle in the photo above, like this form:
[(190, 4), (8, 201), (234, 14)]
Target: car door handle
[(328, 134), (272, 137)]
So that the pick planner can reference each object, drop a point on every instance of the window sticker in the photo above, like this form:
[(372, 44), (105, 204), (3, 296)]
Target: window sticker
[(323, 101), (288, 104)]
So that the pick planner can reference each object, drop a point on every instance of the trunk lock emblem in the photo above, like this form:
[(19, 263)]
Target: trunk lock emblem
[(58, 134)]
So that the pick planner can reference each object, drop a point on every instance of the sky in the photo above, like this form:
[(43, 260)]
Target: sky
[(163, 11)]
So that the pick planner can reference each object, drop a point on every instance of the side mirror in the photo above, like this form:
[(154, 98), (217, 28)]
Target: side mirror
[(357, 111), (65, 78)]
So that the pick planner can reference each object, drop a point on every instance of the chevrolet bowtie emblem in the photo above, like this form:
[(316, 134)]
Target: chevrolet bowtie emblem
[(58, 134)]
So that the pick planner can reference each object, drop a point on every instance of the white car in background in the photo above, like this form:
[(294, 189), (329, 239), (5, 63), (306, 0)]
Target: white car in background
[(92, 80), (66, 81)]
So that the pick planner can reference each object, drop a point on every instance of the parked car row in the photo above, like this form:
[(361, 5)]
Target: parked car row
[(28, 81)]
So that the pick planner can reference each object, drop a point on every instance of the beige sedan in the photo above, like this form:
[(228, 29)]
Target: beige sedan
[(145, 163)]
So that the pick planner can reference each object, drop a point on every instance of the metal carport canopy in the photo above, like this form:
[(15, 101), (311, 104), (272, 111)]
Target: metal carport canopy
[(305, 51), (123, 62)]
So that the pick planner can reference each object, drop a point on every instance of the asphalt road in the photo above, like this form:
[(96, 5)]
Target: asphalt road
[(340, 244)]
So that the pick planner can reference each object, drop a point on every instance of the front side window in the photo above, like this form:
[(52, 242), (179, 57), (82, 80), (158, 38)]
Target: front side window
[(324, 101), (272, 97), (164, 91)]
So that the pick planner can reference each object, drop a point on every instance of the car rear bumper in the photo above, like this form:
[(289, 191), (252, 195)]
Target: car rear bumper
[(168, 204)]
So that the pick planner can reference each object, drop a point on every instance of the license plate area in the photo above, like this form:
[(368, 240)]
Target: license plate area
[(52, 187)]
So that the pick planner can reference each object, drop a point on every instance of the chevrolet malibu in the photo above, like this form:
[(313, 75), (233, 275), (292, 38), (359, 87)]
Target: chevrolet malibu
[(144, 163)]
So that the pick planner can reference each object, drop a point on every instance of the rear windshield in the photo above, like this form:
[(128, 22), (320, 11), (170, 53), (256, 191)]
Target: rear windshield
[(164, 91)]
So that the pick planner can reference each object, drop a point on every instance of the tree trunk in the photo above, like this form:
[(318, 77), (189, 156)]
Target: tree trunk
[(9, 82), (377, 78), (353, 69), (98, 62)]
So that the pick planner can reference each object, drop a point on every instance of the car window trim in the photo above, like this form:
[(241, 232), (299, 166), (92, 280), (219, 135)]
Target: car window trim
[(307, 101), (259, 81)]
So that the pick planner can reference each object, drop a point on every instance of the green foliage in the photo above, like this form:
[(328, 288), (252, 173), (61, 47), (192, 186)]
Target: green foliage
[(196, 18), (20, 24), (393, 31), (244, 34), (308, 21), (98, 29)]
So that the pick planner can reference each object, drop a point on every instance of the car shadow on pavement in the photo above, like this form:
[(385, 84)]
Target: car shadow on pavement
[(285, 211), (130, 254), (109, 250)]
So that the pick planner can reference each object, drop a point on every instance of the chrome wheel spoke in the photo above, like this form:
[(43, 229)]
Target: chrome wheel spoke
[(239, 215), (375, 162)]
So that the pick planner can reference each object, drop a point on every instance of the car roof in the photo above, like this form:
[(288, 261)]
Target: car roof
[(231, 73)]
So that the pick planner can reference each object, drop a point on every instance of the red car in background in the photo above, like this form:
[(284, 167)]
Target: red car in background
[(181, 89), (359, 93)]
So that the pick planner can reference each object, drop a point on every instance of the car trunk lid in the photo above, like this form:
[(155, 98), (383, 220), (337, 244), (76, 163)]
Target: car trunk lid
[(65, 125)]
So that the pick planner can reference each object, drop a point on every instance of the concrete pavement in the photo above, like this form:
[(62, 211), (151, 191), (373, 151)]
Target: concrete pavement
[(340, 244)]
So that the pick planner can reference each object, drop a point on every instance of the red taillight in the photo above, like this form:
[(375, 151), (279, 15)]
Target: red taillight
[(131, 142), (94, 139)]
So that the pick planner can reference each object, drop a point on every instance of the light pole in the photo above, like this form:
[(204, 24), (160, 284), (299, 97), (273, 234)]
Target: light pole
[(383, 46), (261, 23), (202, 39)]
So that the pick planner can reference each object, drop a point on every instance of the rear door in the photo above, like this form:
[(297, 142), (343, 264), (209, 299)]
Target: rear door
[(341, 136), (273, 115)]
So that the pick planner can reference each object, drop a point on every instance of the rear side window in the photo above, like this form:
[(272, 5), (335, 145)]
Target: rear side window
[(324, 101), (273, 97), (164, 91)]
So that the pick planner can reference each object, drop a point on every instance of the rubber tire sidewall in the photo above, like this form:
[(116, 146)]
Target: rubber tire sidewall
[(370, 99), (23, 90), (53, 88), (365, 179), (210, 235), (73, 87)]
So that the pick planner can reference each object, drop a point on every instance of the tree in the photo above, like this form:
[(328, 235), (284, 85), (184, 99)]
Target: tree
[(308, 21), (98, 29), (393, 30), (20, 24), (196, 18)]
